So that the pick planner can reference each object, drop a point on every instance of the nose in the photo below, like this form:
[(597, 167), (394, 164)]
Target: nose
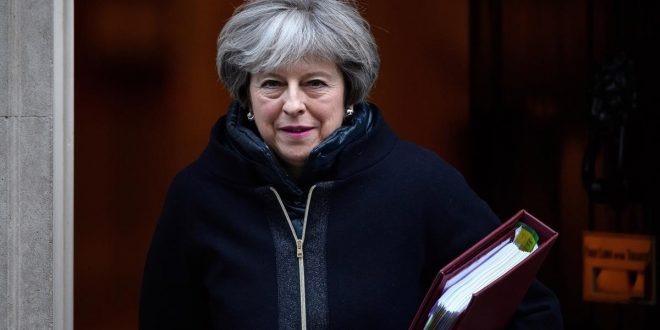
[(294, 104)]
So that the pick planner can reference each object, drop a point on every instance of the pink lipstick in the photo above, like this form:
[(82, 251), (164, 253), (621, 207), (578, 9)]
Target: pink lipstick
[(296, 131)]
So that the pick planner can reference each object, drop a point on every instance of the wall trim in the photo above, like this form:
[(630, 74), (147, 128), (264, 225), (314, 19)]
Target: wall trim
[(63, 121)]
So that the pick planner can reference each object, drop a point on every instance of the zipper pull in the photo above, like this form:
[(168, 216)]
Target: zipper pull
[(299, 248)]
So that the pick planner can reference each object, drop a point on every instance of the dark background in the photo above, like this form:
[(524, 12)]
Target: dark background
[(500, 89)]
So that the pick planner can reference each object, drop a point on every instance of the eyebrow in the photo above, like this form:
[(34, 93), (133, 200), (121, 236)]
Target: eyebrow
[(306, 75)]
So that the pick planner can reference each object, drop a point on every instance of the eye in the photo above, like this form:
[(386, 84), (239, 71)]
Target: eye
[(270, 83), (316, 83)]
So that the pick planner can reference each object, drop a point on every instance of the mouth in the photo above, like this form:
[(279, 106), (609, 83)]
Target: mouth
[(296, 130)]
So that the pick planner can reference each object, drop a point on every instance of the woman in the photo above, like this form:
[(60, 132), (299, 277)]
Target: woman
[(306, 210)]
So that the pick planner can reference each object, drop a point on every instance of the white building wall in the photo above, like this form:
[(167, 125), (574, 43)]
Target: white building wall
[(28, 122)]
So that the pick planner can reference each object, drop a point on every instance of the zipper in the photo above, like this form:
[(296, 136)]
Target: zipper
[(299, 251)]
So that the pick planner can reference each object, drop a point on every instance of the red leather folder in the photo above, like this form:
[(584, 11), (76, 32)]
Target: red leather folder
[(494, 305)]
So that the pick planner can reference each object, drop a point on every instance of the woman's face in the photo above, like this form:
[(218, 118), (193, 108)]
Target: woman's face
[(298, 106)]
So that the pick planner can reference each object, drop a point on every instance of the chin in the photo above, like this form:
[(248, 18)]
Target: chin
[(296, 160)]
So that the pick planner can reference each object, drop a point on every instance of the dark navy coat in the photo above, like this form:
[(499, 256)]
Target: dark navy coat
[(382, 219)]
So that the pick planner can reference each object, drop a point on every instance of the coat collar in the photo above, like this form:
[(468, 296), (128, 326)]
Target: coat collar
[(237, 154)]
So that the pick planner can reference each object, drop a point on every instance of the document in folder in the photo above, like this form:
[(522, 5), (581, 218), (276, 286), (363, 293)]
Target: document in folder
[(482, 287)]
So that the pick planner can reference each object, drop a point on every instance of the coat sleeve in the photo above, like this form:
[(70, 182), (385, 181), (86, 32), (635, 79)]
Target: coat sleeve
[(538, 310), (171, 297)]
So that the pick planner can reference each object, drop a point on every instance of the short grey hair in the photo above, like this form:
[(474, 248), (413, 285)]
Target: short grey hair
[(264, 35)]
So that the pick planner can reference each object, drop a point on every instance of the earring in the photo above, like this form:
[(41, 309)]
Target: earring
[(250, 116), (349, 111)]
